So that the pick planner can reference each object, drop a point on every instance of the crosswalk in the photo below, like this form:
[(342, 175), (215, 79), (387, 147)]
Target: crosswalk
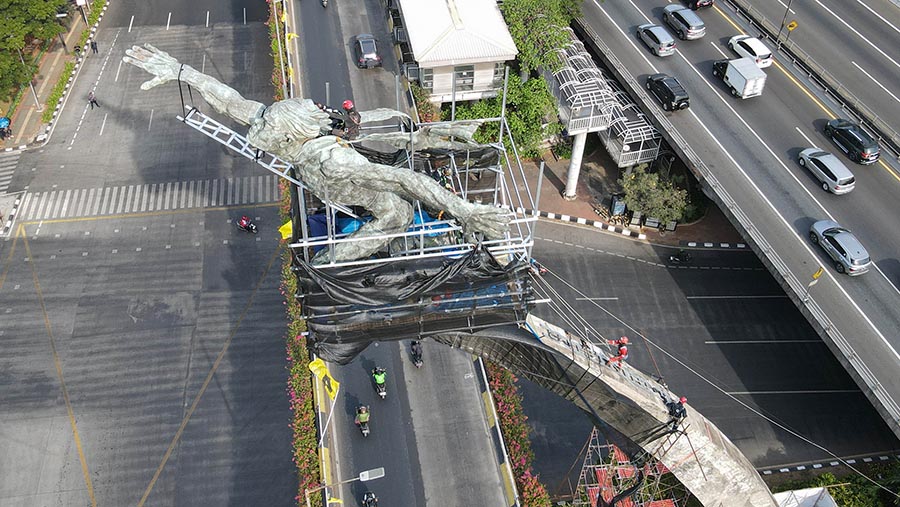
[(125, 199), (7, 168)]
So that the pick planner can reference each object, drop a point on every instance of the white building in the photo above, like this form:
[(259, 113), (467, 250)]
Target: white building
[(467, 39)]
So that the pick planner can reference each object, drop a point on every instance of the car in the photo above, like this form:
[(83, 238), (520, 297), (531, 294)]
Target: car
[(700, 4), (657, 39), (751, 47), (686, 23), (831, 172), (366, 50), (668, 91), (841, 245), (853, 140)]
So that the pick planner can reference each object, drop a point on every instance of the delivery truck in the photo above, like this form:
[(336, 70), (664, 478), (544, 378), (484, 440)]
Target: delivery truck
[(741, 75)]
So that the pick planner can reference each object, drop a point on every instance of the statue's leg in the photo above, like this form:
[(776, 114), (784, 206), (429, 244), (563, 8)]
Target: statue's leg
[(393, 215)]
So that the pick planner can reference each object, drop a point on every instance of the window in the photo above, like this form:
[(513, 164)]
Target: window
[(465, 77), (499, 71), (426, 79)]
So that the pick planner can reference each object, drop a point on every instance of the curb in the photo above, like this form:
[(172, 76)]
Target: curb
[(11, 217), (42, 139), (509, 484), (584, 221), (818, 466)]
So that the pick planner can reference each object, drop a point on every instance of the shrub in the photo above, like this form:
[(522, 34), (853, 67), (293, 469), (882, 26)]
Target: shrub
[(57, 92)]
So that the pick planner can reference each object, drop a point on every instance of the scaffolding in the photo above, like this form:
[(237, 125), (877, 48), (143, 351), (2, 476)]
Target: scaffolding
[(609, 475)]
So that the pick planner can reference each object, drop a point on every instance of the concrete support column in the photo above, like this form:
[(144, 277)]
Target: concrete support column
[(574, 167)]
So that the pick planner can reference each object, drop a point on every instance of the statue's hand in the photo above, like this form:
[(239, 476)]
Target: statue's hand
[(491, 221), (154, 61)]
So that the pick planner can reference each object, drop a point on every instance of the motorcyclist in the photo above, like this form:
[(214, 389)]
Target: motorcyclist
[(416, 348), (345, 122), (370, 500), (362, 415), (244, 223), (380, 375)]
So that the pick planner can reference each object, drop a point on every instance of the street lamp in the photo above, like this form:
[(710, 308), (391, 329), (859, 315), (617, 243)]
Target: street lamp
[(30, 80), (783, 20), (368, 475)]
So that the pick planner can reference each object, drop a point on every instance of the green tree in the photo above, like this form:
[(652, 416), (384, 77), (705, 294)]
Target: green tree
[(536, 28), (23, 22), (527, 106), (655, 198)]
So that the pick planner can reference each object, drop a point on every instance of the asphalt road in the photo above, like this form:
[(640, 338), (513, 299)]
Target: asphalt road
[(143, 353), (721, 332), (752, 153), (858, 43)]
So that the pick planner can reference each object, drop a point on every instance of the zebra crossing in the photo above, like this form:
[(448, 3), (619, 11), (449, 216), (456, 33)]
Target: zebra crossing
[(125, 199), (8, 164)]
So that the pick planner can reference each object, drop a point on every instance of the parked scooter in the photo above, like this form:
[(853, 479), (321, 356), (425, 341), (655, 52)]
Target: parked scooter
[(379, 374), (416, 350), (246, 225), (682, 257), (369, 500)]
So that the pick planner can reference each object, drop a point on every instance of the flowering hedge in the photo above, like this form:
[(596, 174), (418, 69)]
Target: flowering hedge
[(276, 29), (515, 433)]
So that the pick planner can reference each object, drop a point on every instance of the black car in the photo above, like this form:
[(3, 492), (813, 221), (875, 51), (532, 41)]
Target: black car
[(668, 91), (366, 50), (700, 4), (853, 140)]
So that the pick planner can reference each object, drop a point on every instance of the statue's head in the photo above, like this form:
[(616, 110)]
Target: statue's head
[(286, 125)]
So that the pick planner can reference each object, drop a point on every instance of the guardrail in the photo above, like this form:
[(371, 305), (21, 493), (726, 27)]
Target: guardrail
[(888, 137), (757, 241)]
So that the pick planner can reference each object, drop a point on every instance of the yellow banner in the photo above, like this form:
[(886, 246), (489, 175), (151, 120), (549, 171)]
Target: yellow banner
[(320, 370), (286, 230)]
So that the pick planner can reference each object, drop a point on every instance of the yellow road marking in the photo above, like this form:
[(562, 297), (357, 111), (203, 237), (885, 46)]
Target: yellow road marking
[(149, 214), (59, 372), (206, 382)]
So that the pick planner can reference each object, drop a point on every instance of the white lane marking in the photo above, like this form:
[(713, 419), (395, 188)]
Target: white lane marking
[(820, 391), (867, 41), (130, 23), (771, 296), (103, 125), (809, 141), (150, 123), (207, 19), (597, 299), (758, 342), (785, 6), (875, 81), (118, 69), (245, 15), (759, 192), (203, 64), (888, 23), (717, 48), (168, 21)]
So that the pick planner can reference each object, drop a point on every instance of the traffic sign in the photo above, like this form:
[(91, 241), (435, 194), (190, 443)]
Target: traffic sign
[(793, 24), (818, 273)]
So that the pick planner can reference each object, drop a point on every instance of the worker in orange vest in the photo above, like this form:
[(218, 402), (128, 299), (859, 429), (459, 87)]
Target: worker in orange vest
[(622, 355)]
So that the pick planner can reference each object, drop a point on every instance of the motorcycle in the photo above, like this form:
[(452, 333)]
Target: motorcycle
[(681, 257), (324, 3), (416, 350), (378, 375), (537, 268), (370, 500), (246, 225), (362, 425)]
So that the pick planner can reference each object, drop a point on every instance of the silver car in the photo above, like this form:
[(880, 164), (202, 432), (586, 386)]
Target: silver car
[(841, 245), (830, 171), (686, 23), (657, 39)]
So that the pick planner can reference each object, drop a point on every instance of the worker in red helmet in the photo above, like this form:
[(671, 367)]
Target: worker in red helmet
[(345, 121), (621, 353), (677, 412)]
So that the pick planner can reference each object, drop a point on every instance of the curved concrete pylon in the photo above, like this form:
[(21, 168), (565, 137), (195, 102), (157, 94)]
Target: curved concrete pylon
[(701, 457)]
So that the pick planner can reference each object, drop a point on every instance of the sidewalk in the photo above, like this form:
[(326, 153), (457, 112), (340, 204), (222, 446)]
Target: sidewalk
[(597, 179), (27, 126)]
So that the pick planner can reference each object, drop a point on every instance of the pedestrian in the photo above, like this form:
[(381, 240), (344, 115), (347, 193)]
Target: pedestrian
[(94, 47), (92, 100), (677, 412), (621, 353)]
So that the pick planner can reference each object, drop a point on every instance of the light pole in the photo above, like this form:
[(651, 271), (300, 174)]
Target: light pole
[(31, 84), (786, 11), (368, 475)]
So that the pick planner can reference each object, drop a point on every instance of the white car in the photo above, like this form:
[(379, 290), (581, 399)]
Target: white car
[(751, 47)]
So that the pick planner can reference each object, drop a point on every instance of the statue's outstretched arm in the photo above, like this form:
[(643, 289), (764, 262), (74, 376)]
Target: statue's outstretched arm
[(222, 98), (490, 220)]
